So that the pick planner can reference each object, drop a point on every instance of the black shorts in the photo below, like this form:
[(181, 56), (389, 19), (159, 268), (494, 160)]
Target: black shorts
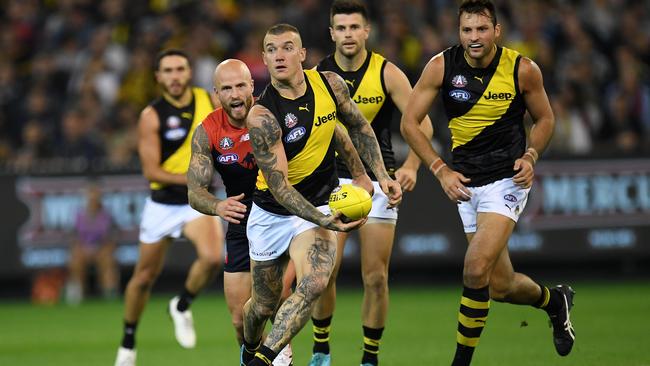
[(237, 259)]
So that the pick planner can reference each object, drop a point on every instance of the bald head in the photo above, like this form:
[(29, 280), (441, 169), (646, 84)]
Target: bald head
[(233, 85)]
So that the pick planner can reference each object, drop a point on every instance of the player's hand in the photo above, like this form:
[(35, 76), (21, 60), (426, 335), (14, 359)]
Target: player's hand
[(406, 177), (231, 209), (453, 183), (393, 190), (335, 222), (364, 182), (526, 172)]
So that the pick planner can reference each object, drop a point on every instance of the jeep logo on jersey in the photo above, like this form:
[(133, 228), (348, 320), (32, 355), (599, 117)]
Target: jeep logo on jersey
[(295, 134), (228, 158), (290, 120), (498, 96), (365, 100), (324, 119), (460, 95), (175, 134), (226, 143), (459, 81)]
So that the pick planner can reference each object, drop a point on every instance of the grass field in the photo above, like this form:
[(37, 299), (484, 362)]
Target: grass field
[(611, 322)]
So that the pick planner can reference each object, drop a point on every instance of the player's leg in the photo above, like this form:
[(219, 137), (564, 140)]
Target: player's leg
[(485, 247), (237, 277), (107, 268), (376, 245), (324, 311), (285, 356), (313, 253)]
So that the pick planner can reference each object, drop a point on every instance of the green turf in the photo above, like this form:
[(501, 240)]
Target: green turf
[(610, 320)]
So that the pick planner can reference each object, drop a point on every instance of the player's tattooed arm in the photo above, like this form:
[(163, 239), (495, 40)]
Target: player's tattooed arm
[(267, 289), (199, 174), (344, 147), (361, 134), (266, 135), (296, 310)]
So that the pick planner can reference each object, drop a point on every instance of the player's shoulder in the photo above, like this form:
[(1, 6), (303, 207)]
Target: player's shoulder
[(149, 116)]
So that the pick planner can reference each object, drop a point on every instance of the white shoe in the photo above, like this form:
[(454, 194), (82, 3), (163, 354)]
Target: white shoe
[(183, 324), (285, 357), (125, 357)]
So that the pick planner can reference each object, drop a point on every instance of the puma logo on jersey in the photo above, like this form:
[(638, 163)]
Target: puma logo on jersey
[(351, 83), (305, 108), (479, 79), (365, 100), (186, 115)]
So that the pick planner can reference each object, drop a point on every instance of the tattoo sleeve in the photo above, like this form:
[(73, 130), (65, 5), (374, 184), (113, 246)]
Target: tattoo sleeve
[(266, 137), (347, 152), (199, 175), (267, 289), (361, 134)]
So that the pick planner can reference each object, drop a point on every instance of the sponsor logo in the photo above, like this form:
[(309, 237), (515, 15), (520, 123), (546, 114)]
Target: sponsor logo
[(295, 134), (228, 159), (326, 118), (305, 108), (175, 134), (350, 82), (244, 137), (510, 198), (226, 143), (460, 95), (290, 120), (479, 79), (186, 115), (459, 81), (368, 100), (499, 96), (173, 122)]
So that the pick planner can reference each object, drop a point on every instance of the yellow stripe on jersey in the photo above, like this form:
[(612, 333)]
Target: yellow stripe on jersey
[(491, 106), (320, 138), (179, 161)]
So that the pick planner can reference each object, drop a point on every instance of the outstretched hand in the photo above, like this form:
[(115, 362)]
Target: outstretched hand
[(231, 209), (335, 222)]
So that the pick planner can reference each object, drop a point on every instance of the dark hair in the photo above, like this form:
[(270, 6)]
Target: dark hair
[(170, 52), (348, 7), (482, 7), (282, 28)]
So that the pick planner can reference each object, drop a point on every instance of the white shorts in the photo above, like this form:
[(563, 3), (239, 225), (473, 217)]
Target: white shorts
[(269, 234), (503, 197), (379, 208), (160, 220)]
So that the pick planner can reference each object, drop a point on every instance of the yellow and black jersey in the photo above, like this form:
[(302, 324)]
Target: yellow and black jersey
[(307, 125), (368, 90), (175, 132), (485, 111)]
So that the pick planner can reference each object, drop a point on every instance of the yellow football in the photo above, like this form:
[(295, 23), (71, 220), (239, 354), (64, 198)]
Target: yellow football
[(352, 201)]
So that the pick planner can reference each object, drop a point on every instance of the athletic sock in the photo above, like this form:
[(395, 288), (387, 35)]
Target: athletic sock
[(474, 308), (263, 357), (249, 351), (128, 338), (371, 339), (321, 329), (185, 300), (550, 301)]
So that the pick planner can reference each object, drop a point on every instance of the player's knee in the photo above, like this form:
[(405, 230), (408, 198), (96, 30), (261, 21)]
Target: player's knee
[(476, 271), (145, 278), (211, 262), (376, 281), (263, 310), (312, 286)]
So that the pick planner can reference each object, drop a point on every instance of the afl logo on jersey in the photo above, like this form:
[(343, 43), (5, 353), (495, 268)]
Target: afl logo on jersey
[(175, 134), (459, 81), (290, 120), (226, 143), (173, 122), (228, 159), (295, 134), (510, 198), (460, 95)]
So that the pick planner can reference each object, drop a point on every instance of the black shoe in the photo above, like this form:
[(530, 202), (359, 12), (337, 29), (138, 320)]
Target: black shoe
[(563, 333)]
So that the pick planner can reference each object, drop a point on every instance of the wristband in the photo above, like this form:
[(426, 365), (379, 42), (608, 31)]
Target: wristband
[(533, 154), (436, 165)]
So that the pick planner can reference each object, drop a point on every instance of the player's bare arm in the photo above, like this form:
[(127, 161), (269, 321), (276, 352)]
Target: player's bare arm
[(532, 87), (363, 137), (424, 93), (149, 150), (399, 89), (266, 140), (199, 178), (348, 153)]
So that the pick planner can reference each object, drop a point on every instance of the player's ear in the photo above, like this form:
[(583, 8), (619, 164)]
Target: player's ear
[(303, 54), (332, 34), (497, 30)]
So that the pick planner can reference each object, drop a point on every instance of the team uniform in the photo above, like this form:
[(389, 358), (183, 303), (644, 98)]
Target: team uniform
[(307, 125), (167, 210), (233, 159), (485, 111), (368, 91)]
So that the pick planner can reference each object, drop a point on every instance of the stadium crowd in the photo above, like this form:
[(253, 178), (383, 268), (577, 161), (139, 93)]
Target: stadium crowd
[(74, 74)]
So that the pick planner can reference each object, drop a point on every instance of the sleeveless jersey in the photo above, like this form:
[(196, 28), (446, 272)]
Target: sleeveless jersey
[(485, 111), (368, 91), (232, 156), (175, 132), (307, 125)]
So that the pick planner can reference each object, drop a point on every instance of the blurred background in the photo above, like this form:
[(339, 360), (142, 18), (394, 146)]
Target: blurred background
[(74, 75)]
